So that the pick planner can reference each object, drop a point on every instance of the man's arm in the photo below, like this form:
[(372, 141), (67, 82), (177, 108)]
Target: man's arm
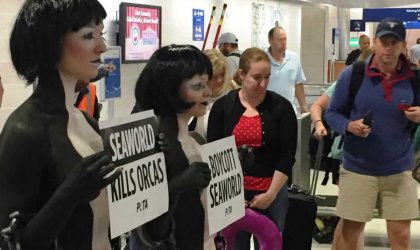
[(300, 95)]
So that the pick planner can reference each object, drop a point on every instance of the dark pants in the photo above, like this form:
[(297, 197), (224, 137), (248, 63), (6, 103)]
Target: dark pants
[(276, 212)]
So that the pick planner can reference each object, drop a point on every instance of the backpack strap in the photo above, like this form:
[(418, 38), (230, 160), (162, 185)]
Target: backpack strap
[(415, 85), (356, 81), (234, 54)]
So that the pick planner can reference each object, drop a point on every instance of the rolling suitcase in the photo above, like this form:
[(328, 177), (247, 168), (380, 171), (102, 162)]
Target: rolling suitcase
[(301, 215), (324, 225), (300, 220)]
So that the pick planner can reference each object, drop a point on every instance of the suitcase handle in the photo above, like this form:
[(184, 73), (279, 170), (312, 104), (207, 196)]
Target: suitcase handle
[(317, 166)]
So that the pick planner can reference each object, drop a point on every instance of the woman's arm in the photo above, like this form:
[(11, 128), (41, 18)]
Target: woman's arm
[(262, 201), (24, 160), (183, 177), (286, 137), (316, 115)]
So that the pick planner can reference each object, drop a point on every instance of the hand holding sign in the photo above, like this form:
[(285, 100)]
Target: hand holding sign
[(162, 143), (225, 193), (87, 179), (197, 175)]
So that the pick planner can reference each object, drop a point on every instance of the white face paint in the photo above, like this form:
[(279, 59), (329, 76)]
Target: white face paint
[(81, 51), (195, 90)]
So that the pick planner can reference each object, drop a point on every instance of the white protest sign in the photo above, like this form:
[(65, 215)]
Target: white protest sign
[(225, 193), (140, 194)]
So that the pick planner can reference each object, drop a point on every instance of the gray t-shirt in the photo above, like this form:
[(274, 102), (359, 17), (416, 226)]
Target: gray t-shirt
[(233, 62)]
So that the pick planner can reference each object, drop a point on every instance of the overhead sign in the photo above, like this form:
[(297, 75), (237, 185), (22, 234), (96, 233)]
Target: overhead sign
[(357, 25), (198, 25), (225, 193), (140, 193), (354, 42), (412, 25), (403, 14)]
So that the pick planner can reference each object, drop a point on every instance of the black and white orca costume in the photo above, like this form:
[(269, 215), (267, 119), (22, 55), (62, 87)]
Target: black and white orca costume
[(41, 142)]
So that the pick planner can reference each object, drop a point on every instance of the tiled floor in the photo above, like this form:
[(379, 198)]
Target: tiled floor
[(375, 236), (375, 231)]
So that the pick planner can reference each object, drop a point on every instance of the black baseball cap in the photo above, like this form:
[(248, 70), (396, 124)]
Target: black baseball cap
[(391, 26)]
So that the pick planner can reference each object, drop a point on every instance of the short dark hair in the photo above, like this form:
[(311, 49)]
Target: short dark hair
[(234, 45), (271, 32), (158, 85), (36, 38)]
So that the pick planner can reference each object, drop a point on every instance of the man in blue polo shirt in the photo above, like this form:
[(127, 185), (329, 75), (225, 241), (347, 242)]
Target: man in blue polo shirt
[(378, 153), (287, 76)]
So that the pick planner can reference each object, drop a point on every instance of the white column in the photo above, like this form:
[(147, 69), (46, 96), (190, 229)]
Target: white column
[(344, 29)]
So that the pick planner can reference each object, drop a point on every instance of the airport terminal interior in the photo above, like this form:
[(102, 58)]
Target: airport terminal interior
[(321, 32)]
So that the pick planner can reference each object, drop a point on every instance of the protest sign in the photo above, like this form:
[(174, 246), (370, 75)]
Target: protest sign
[(225, 193), (140, 194)]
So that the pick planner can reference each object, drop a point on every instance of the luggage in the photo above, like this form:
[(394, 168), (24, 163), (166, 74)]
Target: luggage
[(300, 220), (323, 231), (301, 215)]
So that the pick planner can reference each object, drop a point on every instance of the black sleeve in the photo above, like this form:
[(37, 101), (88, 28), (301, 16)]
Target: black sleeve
[(136, 108), (97, 109), (354, 54), (287, 125), (24, 158), (215, 122)]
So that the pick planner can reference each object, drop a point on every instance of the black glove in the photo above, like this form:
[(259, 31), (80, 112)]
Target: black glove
[(246, 156), (196, 176), (86, 180), (162, 143)]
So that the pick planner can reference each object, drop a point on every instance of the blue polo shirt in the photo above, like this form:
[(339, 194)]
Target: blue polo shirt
[(285, 75), (387, 149)]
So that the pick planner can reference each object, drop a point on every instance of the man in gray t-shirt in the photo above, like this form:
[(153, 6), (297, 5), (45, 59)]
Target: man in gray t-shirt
[(415, 52), (228, 45)]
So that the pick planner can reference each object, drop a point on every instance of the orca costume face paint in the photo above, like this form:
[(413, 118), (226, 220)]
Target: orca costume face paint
[(185, 70), (52, 166)]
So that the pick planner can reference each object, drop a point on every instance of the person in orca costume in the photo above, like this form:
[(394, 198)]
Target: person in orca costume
[(52, 166), (174, 85)]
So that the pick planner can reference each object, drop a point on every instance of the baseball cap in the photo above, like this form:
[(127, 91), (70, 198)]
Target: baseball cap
[(227, 38), (391, 26)]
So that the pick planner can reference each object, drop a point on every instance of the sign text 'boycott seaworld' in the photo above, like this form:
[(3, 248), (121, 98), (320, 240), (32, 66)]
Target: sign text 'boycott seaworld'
[(223, 164), (225, 193)]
